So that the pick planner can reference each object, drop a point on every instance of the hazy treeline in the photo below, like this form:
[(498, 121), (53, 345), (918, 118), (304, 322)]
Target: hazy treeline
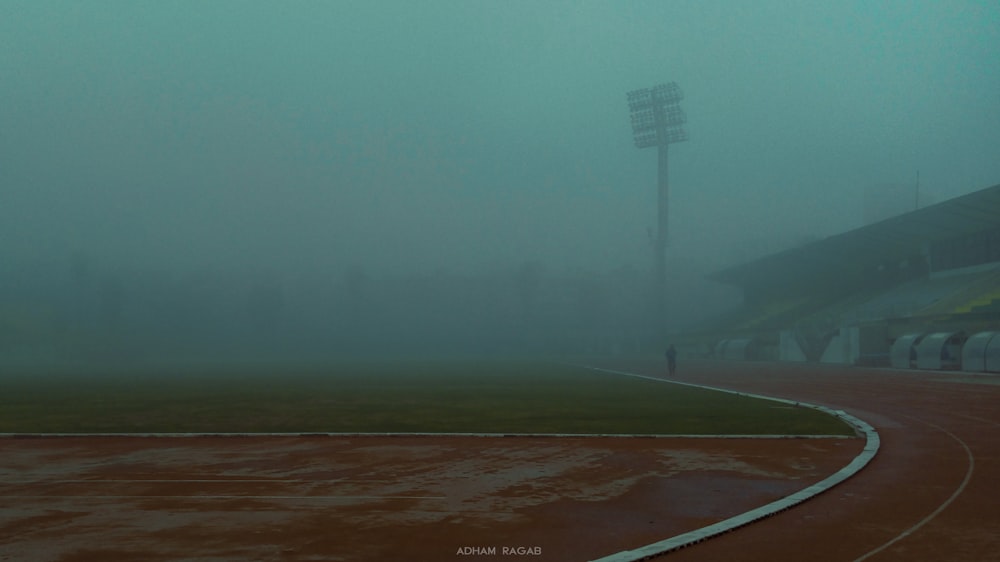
[(80, 311)]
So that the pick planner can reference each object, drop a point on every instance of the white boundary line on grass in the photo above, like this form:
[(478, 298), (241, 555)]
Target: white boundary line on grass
[(197, 497), (678, 542), (399, 434)]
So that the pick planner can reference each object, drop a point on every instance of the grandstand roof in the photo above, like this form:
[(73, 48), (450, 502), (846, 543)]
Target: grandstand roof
[(891, 239)]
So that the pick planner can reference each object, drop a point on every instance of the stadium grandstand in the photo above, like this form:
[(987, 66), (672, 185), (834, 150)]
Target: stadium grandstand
[(920, 289)]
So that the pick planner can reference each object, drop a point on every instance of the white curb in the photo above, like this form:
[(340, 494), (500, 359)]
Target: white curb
[(678, 542)]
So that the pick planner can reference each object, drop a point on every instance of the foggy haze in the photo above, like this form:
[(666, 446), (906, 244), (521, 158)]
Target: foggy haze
[(283, 140)]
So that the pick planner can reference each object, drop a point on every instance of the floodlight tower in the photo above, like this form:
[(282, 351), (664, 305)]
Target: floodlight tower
[(657, 120)]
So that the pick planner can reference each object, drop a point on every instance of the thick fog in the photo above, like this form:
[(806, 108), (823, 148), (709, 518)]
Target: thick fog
[(388, 175)]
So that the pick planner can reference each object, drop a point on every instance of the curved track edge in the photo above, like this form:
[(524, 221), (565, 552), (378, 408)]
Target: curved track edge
[(863, 429)]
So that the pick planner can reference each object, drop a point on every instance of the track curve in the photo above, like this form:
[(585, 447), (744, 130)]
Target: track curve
[(928, 495)]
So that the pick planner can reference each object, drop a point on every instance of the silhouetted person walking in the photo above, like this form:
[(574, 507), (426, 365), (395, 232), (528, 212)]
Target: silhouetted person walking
[(671, 360)]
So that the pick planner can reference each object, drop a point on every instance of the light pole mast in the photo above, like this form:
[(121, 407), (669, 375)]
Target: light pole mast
[(657, 120)]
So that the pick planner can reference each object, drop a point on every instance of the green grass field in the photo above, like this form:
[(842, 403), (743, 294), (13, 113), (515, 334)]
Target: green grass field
[(425, 396)]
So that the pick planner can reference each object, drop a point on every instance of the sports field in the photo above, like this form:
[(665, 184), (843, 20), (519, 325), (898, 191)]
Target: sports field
[(328, 482), (386, 397)]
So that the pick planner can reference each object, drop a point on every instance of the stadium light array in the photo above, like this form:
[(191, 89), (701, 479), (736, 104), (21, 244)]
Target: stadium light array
[(657, 119)]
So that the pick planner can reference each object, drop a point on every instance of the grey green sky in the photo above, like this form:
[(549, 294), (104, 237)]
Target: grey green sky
[(413, 136)]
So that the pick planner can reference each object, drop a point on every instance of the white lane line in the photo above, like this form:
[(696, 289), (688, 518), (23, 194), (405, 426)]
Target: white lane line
[(217, 497), (408, 435), (978, 419), (936, 512), (187, 481), (192, 481)]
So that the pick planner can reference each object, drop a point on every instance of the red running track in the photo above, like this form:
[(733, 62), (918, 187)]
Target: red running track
[(929, 494)]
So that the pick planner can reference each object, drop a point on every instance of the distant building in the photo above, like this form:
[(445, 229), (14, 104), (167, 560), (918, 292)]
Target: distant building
[(847, 297)]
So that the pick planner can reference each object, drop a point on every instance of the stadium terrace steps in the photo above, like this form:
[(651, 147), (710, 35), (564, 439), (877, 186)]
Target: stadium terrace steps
[(921, 297), (993, 306), (771, 311), (981, 304), (980, 294), (956, 295)]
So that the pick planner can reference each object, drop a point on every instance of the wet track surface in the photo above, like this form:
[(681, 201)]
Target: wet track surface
[(929, 494)]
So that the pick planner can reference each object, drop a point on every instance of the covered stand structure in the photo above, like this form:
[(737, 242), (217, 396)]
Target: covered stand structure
[(940, 350), (903, 353), (979, 350)]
